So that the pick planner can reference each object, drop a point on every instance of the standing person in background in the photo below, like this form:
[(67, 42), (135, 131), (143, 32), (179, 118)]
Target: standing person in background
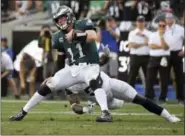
[(176, 33), (79, 7), (5, 48), (139, 50), (109, 35), (47, 57), (159, 61), (7, 73), (27, 73), (114, 8)]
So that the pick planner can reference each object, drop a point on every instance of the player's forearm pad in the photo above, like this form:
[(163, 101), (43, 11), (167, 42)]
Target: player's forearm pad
[(79, 36)]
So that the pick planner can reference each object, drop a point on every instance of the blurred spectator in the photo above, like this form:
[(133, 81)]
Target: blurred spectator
[(5, 48), (183, 18), (80, 8), (4, 8), (176, 33), (27, 6), (27, 73), (47, 58), (145, 8), (139, 50), (22, 7), (177, 6), (114, 8), (159, 61), (52, 6), (109, 35), (130, 10), (7, 73), (164, 4)]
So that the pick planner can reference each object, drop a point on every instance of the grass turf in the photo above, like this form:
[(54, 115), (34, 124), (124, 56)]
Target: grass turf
[(56, 118)]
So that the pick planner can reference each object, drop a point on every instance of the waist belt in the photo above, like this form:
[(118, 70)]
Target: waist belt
[(81, 64)]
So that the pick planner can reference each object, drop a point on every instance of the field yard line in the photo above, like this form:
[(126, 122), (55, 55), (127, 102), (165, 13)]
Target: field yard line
[(64, 102), (94, 113)]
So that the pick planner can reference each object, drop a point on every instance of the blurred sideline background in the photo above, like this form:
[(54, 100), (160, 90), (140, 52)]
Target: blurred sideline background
[(23, 20)]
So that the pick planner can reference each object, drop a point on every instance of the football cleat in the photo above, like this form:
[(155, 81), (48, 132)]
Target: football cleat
[(105, 117), (173, 119), (19, 116)]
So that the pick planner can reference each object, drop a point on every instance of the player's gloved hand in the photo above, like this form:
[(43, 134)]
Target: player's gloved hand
[(104, 58), (106, 50)]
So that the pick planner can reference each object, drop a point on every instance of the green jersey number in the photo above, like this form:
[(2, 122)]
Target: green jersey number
[(79, 48)]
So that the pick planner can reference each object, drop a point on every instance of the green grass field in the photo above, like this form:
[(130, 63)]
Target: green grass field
[(56, 118)]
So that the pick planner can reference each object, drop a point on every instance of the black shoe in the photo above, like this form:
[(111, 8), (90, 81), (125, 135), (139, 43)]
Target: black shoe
[(19, 116), (17, 97), (105, 117), (161, 101), (180, 102)]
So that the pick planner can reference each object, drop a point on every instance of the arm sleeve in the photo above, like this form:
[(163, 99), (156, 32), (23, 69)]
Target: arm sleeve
[(10, 53), (182, 32), (151, 39), (8, 63), (40, 42), (117, 31), (130, 37), (56, 45), (54, 42)]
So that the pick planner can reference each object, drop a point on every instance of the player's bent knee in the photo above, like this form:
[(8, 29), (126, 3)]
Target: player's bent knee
[(44, 90), (96, 83), (78, 109)]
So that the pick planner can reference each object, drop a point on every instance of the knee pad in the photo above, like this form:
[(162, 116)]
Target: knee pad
[(95, 84), (44, 90)]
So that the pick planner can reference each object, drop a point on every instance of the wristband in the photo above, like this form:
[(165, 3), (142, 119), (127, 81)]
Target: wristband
[(79, 36)]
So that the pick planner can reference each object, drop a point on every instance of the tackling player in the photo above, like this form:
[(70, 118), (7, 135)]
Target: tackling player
[(117, 91)]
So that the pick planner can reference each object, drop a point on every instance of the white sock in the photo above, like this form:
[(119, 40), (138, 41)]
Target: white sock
[(85, 109), (35, 99), (101, 98), (165, 114)]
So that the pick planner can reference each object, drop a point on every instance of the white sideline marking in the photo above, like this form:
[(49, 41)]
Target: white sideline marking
[(66, 102), (94, 113)]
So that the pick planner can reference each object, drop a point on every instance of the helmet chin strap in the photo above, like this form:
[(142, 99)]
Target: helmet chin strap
[(63, 27)]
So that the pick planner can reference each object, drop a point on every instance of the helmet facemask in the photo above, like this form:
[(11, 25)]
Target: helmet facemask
[(62, 22)]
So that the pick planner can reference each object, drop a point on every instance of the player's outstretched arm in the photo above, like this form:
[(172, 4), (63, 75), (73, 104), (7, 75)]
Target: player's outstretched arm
[(82, 36), (91, 35)]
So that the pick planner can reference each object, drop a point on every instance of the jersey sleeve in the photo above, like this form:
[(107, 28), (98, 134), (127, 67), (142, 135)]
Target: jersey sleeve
[(182, 32), (152, 39), (86, 24), (56, 44), (8, 62), (130, 37)]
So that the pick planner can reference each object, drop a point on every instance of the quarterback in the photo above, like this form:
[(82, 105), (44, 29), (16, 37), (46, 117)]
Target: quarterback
[(76, 39), (83, 73)]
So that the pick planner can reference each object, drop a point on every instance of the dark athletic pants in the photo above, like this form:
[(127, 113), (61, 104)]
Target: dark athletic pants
[(137, 61), (152, 70)]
